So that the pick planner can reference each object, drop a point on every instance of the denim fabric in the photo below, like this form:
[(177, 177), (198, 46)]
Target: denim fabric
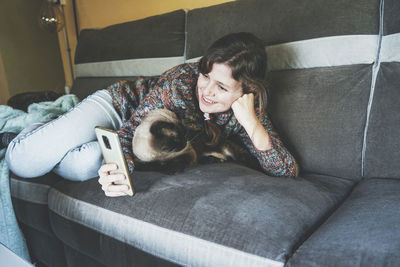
[(66, 144)]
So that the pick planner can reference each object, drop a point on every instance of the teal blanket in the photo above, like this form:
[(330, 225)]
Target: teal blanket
[(12, 120)]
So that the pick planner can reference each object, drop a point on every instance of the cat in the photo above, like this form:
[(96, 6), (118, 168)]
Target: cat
[(162, 143)]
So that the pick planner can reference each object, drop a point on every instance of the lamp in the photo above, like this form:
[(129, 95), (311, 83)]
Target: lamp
[(51, 19), (50, 16)]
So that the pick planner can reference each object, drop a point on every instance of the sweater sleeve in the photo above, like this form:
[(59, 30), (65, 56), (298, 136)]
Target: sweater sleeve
[(277, 161)]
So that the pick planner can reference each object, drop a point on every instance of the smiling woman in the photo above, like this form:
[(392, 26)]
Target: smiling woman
[(226, 85)]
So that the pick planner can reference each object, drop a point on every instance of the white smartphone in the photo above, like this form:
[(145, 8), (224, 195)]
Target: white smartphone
[(112, 153)]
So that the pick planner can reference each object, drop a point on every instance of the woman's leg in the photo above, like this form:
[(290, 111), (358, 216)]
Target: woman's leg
[(36, 152), (81, 163)]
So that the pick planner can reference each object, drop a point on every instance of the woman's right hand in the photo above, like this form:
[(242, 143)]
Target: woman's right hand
[(108, 181)]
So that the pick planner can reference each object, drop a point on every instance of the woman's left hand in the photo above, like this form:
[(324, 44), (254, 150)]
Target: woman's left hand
[(244, 111), (243, 108)]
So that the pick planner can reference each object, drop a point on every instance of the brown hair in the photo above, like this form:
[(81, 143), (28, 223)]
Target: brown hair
[(245, 54)]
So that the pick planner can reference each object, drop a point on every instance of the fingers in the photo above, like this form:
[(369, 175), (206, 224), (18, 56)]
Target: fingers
[(112, 184), (105, 168), (246, 99), (114, 190)]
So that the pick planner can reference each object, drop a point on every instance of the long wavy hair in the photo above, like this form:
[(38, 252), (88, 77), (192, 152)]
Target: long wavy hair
[(245, 54)]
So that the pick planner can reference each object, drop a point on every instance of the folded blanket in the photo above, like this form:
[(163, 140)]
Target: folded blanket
[(13, 120)]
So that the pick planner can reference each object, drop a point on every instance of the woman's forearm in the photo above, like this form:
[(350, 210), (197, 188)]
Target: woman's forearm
[(258, 135)]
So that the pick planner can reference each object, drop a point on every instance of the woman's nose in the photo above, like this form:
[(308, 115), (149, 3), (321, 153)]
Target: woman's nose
[(209, 89)]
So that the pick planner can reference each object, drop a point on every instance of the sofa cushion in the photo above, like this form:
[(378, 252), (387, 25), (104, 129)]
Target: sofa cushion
[(364, 231), (30, 203), (143, 47), (321, 114), (83, 248), (216, 214), (44, 248), (382, 154), (85, 86), (30, 200)]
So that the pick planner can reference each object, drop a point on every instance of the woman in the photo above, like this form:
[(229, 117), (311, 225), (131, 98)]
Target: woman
[(222, 94)]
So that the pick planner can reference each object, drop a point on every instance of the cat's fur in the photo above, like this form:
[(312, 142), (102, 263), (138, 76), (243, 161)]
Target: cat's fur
[(162, 143)]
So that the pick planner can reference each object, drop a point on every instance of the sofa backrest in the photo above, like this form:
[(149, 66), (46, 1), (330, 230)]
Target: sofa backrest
[(145, 47), (321, 56), (322, 60), (382, 142)]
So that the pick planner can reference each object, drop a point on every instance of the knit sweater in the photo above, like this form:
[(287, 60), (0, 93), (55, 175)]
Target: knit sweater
[(175, 90)]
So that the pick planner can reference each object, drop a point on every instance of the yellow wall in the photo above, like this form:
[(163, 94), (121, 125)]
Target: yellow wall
[(29, 56), (4, 92), (102, 13)]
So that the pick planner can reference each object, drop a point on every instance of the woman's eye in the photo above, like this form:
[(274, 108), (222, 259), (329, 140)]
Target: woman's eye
[(205, 76), (223, 89)]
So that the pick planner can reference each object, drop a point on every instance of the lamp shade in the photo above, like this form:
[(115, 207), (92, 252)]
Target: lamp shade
[(50, 17)]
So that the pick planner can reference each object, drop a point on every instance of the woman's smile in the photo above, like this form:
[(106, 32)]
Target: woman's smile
[(207, 101)]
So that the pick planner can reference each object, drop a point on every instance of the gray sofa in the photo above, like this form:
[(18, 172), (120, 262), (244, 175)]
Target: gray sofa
[(334, 78)]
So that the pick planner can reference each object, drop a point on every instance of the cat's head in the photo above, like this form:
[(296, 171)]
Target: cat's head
[(161, 136)]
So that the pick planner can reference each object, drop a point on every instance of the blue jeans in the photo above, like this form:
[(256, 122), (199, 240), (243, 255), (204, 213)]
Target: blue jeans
[(66, 145)]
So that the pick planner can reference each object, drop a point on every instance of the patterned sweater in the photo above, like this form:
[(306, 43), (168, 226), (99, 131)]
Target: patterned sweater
[(175, 91)]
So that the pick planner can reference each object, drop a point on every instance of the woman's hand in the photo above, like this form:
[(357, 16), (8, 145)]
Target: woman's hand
[(244, 111), (108, 181), (243, 108)]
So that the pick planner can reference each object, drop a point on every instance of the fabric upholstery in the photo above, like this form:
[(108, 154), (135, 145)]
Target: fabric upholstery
[(321, 113), (86, 247), (210, 209), (43, 247), (143, 47), (85, 86), (280, 21), (382, 149), (391, 19), (364, 231), (30, 198), (77, 259), (157, 36)]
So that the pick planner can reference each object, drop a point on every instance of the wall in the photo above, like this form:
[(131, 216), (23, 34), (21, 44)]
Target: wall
[(29, 56), (4, 93), (102, 13)]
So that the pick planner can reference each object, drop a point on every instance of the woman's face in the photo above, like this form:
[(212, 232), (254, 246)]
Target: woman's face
[(217, 90)]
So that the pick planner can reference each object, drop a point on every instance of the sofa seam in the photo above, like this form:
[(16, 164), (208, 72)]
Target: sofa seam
[(324, 218), (375, 71)]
